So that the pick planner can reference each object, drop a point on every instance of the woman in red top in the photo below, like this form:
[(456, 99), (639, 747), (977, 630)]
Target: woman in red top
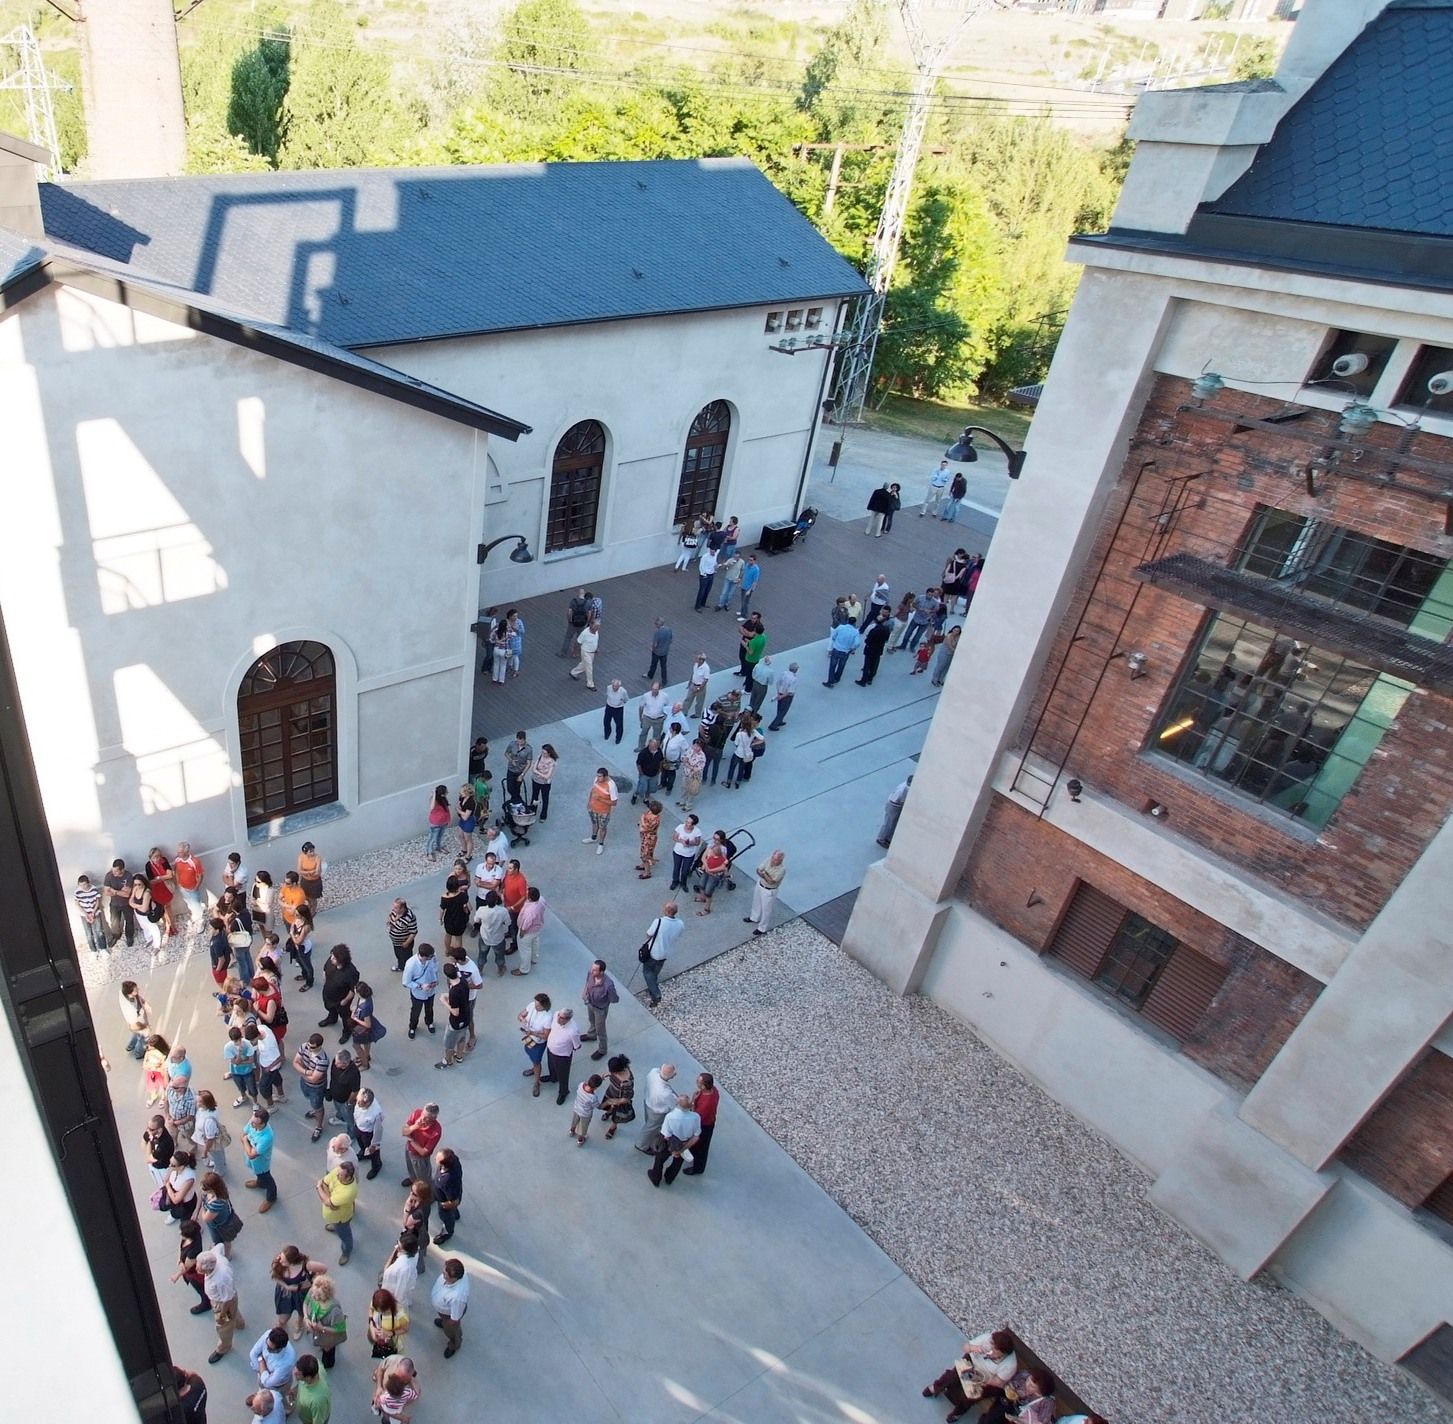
[(159, 882), (267, 1004), (705, 1105)]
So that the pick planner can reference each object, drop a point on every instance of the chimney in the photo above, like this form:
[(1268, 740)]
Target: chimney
[(19, 188), (131, 81)]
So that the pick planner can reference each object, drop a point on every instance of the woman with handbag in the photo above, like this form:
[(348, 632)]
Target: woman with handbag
[(146, 911), (217, 1213), (178, 1189), (617, 1103), (162, 884), (324, 1317), (209, 1136), (388, 1323), (535, 1020)]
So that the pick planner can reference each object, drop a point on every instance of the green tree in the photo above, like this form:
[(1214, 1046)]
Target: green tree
[(259, 88), (545, 44), (1256, 59), (856, 43), (340, 111)]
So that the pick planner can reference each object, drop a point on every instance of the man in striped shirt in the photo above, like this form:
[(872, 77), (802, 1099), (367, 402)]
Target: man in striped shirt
[(88, 902), (402, 927)]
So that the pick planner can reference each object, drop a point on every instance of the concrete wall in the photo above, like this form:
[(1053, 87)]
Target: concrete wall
[(175, 507), (645, 381), (1350, 1250)]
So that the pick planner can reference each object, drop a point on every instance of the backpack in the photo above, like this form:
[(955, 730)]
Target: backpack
[(579, 615)]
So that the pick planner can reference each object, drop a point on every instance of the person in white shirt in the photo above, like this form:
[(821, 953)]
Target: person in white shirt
[(401, 1271), (267, 1405), (616, 697), (696, 680), (587, 643), (661, 941), (450, 1299), (496, 843), (469, 972), (535, 1021), (368, 1128), (934, 495), (770, 875), (489, 874), (786, 691), (652, 714), (762, 679), (560, 1049), (221, 1289), (671, 754), (494, 930), (680, 1130), (659, 1098), (988, 1360), (705, 576), (880, 596)]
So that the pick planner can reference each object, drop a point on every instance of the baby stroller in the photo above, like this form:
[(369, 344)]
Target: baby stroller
[(516, 819), (739, 842)]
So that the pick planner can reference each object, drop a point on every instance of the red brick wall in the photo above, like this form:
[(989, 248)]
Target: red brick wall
[(1406, 1144), (1018, 859), (1405, 792)]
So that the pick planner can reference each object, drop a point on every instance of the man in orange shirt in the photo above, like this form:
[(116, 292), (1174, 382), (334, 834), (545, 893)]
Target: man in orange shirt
[(514, 890), (189, 873), (598, 805), (290, 896)]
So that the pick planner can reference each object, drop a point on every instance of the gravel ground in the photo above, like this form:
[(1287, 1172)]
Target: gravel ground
[(350, 879), (1004, 1207)]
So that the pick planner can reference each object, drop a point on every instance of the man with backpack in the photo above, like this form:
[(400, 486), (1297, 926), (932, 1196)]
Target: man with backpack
[(576, 617)]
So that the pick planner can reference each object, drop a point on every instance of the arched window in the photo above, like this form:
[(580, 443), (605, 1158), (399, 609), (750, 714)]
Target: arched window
[(701, 467), (575, 479), (287, 718)]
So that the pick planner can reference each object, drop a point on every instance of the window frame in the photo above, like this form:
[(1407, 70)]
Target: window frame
[(703, 461), (577, 483), (278, 702)]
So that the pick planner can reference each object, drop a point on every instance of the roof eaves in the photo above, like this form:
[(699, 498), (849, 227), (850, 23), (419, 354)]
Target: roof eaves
[(312, 354), (462, 335)]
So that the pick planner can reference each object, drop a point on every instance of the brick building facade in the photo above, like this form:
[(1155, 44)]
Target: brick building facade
[(1179, 844)]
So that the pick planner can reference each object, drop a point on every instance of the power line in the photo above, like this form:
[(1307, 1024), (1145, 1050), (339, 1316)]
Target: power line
[(939, 103)]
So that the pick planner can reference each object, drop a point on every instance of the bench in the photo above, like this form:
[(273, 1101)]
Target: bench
[(1067, 1402)]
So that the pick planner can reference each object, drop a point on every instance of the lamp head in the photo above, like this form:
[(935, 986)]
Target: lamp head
[(962, 451), (1074, 786), (521, 554)]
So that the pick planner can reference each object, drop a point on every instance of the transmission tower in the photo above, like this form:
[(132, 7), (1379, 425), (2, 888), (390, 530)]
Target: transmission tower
[(861, 343), (35, 83)]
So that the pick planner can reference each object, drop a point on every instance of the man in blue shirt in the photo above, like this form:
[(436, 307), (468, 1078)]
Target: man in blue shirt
[(751, 574), (679, 1133), (842, 644), (421, 979), (257, 1145)]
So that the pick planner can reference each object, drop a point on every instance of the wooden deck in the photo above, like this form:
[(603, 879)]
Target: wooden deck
[(794, 597)]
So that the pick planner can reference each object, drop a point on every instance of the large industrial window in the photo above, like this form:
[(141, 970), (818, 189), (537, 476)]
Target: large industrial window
[(701, 466), (287, 718), (1404, 585), (1280, 721), (575, 480)]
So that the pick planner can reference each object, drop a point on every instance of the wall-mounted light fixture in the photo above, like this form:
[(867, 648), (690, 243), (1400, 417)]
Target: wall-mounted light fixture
[(1206, 385), (520, 554), (1135, 662), (1074, 786), (1157, 810), (962, 451)]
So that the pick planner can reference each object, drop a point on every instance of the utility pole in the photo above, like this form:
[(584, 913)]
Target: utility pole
[(35, 83), (862, 337)]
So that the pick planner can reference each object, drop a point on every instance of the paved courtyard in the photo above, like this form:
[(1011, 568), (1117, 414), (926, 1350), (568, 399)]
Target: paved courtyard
[(880, 1180)]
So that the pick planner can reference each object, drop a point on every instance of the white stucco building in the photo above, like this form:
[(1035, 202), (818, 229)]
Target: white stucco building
[(1179, 843), (254, 442)]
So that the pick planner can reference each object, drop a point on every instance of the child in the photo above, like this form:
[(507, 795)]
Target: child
[(923, 654), (88, 902), (587, 1099), (483, 788)]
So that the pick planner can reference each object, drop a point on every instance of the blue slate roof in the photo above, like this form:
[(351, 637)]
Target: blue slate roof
[(370, 257), (25, 268), (1370, 145)]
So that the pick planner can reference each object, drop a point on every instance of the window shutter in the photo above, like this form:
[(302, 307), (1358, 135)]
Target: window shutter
[(1088, 927), (1180, 997)]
